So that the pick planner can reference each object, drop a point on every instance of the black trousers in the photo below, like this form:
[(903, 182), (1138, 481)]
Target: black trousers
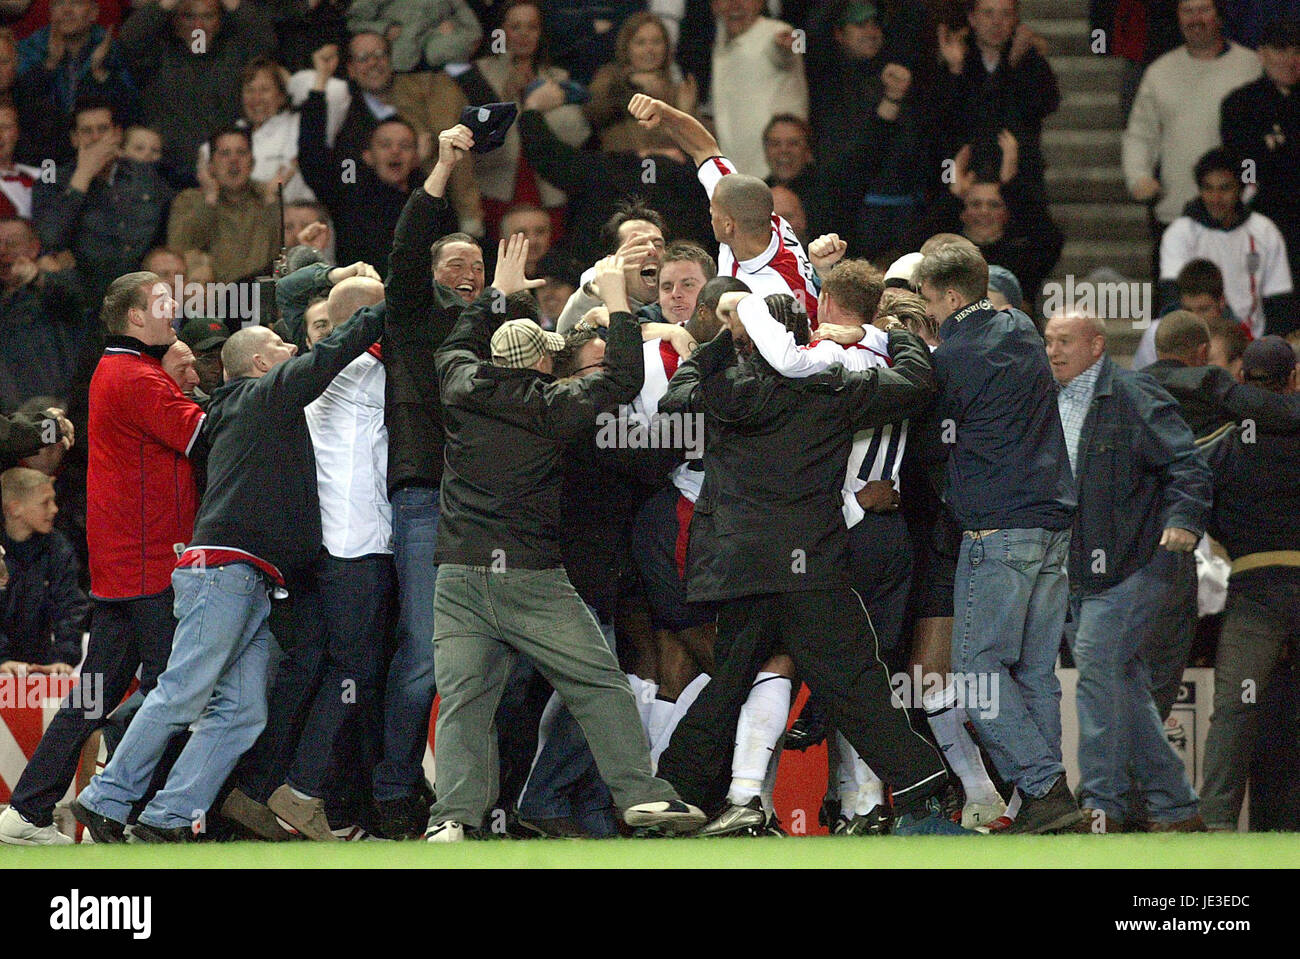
[(125, 635), (828, 634), (880, 568)]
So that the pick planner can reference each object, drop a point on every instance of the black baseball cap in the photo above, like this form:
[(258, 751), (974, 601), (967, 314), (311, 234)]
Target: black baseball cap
[(489, 123), (201, 334), (1269, 359)]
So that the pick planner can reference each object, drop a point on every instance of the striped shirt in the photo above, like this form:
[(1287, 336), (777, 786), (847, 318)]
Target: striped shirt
[(1073, 401), (782, 268)]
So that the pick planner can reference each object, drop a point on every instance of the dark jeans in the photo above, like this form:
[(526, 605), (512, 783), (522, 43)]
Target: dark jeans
[(411, 685), (356, 598), (830, 637), (125, 635), (1168, 646)]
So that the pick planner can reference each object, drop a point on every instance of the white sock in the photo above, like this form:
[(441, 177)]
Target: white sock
[(1013, 807), (949, 724), (871, 791), (762, 721), (661, 713), (684, 701), (769, 779), (848, 776), (644, 697)]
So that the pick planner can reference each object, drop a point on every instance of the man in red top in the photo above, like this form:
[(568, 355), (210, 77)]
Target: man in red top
[(140, 505)]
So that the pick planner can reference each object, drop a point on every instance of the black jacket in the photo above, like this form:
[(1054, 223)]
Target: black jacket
[(261, 496), (364, 207), (421, 314), (768, 519), (1257, 495), (42, 602), (1258, 121), (1139, 472), (1009, 468), (597, 182), (1209, 399), (507, 430)]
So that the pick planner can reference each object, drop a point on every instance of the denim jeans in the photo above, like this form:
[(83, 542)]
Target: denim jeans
[(484, 621), (216, 676), (1120, 730), (1009, 601), (564, 781), (355, 596), (411, 685), (1168, 644)]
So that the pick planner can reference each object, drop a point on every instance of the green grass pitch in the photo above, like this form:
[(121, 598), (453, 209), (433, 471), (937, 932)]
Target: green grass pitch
[(1259, 850)]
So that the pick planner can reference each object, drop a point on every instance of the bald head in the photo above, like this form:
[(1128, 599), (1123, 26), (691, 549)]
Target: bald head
[(1183, 336), (351, 295), (238, 356), (1075, 341), (748, 201)]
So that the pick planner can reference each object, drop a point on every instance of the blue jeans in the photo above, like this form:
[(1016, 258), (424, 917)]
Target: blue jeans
[(1009, 602), (216, 676), (411, 685), (564, 781), (1119, 727)]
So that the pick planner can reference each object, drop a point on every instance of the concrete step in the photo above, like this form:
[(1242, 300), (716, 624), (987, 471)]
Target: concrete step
[(1065, 148), (1088, 72), (1130, 258), (1064, 37), (1076, 183), (1045, 9), (1086, 110), (1112, 221)]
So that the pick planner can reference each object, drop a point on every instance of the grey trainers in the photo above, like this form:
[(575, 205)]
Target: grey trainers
[(305, 815), (735, 820), (241, 808), (672, 815), (17, 831)]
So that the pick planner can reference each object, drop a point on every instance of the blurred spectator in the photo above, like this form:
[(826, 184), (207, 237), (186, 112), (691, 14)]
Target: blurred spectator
[(16, 180), (34, 14), (227, 217), (787, 145), (1138, 32), (1247, 21), (430, 102), (585, 32), (298, 217), (178, 363), (643, 63), (366, 198), (1247, 247), (302, 28), (1200, 290), (188, 57), (1228, 342), (535, 225), (505, 176), (266, 115), (1005, 292), (44, 611), (997, 79), (104, 209), (756, 75), (42, 318), (423, 33), (1175, 116), (786, 204), (1261, 121), (205, 338), (74, 57)]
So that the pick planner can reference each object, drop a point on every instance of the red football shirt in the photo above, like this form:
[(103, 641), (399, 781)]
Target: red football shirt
[(140, 494)]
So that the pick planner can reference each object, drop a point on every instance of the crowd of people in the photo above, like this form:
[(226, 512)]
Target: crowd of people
[(760, 393)]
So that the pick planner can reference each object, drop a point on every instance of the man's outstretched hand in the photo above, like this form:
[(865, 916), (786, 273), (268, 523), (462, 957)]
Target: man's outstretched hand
[(512, 256)]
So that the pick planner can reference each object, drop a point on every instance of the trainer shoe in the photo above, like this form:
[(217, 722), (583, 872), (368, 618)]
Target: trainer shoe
[(1191, 824), (928, 820), (1099, 823), (876, 822), (976, 814), (254, 817), (102, 829), (748, 819), (562, 827), (305, 815), (673, 815), (143, 832), (952, 799), (17, 831), (841, 825), (997, 825), (1055, 812), (804, 732), (773, 827), (401, 818), (449, 831)]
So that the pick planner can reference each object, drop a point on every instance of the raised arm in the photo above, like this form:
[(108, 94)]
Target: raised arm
[(688, 132), (882, 395), (302, 379), (772, 340)]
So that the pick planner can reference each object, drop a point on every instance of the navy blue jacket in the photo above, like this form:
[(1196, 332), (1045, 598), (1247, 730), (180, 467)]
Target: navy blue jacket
[(1139, 472), (42, 610), (1009, 468)]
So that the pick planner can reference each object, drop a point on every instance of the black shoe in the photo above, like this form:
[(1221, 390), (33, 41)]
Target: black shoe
[(142, 832), (103, 830), (401, 818), (1055, 812), (877, 822), (774, 827), (806, 731), (562, 828), (829, 814)]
